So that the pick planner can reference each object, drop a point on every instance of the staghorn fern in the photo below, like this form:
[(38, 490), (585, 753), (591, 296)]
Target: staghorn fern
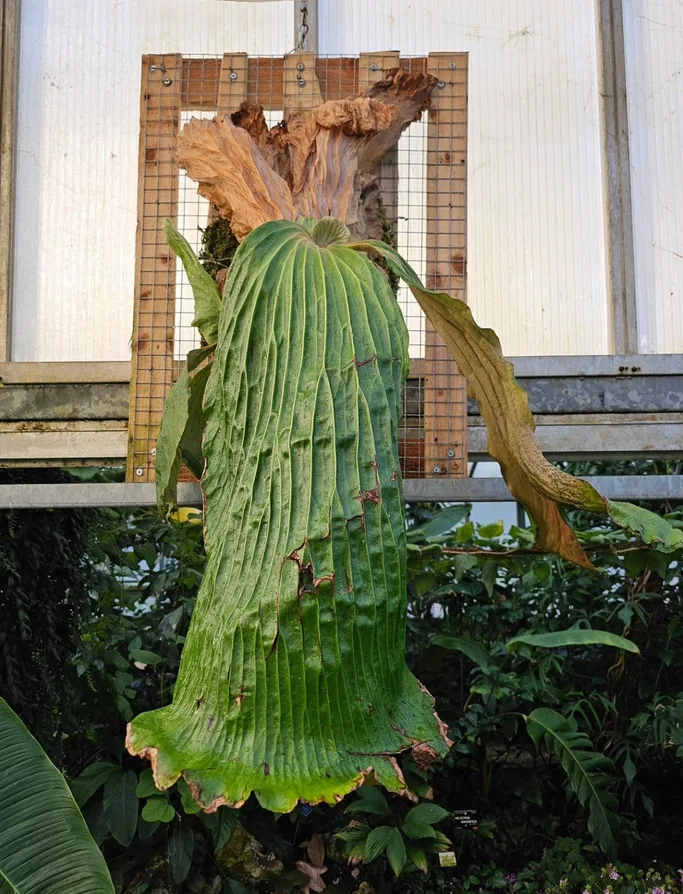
[(293, 682)]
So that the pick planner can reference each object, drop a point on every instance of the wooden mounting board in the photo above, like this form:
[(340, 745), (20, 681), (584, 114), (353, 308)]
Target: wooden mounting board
[(172, 85)]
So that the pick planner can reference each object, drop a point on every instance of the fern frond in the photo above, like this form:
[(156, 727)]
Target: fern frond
[(584, 768)]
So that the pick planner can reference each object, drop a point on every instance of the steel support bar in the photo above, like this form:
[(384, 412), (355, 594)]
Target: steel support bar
[(467, 490)]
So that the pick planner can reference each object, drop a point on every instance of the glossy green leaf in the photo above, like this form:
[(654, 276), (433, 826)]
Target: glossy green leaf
[(490, 532), (396, 852), (293, 682), (182, 427), (158, 810), (121, 805), (45, 845), (473, 650), (444, 522), (146, 786), (376, 842), (369, 799), (427, 813), (180, 850), (207, 298), (84, 786), (145, 657), (573, 637), (413, 828)]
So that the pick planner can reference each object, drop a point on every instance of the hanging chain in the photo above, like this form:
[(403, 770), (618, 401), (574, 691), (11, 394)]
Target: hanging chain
[(303, 26)]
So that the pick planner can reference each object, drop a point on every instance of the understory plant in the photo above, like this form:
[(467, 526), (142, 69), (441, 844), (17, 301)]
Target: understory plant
[(293, 683)]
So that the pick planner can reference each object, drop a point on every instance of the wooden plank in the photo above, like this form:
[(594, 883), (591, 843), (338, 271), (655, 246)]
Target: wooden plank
[(63, 373), (265, 82), (9, 65), (62, 446), (445, 391), (154, 309), (232, 84), (301, 87), (373, 67), (69, 402), (200, 81), (338, 78)]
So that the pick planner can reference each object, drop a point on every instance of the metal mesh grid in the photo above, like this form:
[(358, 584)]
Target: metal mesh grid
[(423, 185)]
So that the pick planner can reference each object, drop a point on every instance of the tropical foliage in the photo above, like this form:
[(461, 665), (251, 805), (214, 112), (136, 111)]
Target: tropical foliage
[(526, 816)]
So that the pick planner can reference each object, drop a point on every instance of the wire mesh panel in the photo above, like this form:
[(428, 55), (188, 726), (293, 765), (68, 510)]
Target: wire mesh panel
[(423, 188)]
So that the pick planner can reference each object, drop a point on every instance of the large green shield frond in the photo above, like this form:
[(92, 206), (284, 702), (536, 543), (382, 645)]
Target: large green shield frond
[(293, 682)]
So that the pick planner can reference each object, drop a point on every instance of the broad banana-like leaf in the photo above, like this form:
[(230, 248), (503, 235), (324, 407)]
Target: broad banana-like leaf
[(293, 682), (45, 845), (503, 404)]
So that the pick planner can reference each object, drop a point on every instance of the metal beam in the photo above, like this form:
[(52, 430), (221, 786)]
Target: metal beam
[(9, 68), (623, 365), (620, 248), (468, 490)]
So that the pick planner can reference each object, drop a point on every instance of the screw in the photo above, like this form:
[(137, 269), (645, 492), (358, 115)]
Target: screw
[(374, 67), (153, 451), (451, 454), (300, 82), (452, 66), (300, 66), (233, 75), (139, 472), (167, 82), (441, 85), (152, 68), (436, 470)]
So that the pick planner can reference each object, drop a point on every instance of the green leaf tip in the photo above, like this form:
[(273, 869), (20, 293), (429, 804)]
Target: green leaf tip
[(575, 637)]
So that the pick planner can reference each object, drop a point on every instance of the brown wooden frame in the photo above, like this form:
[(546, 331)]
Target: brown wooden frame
[(172, 84)]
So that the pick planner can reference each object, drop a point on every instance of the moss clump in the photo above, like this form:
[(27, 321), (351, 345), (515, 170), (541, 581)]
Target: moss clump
[(219, 245), (388, 236)]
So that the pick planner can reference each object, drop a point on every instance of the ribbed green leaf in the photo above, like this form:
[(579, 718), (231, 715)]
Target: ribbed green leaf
[(651, 528), (94, 776), (396, 852), (121, 805), (418, 857), (574, 637), (413, 828), (293, 681), (376, 842), (207, 298), (45, 845), (180, 850)]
